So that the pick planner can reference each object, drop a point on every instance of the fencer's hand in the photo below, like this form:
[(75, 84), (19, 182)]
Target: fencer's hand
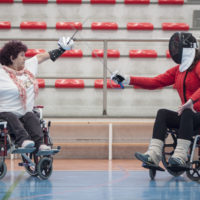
[(187, 105), (117, 78), (66, 43)]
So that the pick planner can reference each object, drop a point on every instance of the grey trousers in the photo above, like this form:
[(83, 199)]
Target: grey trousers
[(25, 128)]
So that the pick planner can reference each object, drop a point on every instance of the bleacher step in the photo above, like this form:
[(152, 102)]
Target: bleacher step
[(99, 150)]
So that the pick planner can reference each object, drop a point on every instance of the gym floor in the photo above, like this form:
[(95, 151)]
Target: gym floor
[(96, 180)]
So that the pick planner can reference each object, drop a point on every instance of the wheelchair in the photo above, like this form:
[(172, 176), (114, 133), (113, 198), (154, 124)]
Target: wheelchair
[(193, 164), (35, 163)]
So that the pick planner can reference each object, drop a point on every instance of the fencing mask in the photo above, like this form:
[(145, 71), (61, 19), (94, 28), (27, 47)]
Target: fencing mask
[(182, 49)]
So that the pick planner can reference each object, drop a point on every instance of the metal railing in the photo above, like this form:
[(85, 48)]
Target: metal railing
[(105, 47)]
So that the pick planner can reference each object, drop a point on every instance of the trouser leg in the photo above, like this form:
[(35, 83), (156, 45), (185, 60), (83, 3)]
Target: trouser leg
[(189, 122), (32, 126), (162, 122), (15, 127), (165, 119)]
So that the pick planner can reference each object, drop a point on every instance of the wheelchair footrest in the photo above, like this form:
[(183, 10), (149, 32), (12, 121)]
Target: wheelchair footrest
[(151, 166), (47, 152), (178, 168), (23, 150)]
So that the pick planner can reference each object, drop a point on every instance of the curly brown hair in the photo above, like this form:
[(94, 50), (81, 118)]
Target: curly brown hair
[(12, 48)]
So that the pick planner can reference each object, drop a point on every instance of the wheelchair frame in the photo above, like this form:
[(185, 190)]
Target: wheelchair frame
[(193, 166), (35, 163)]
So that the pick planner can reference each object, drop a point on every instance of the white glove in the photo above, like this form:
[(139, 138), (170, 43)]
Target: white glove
[(66, 43)]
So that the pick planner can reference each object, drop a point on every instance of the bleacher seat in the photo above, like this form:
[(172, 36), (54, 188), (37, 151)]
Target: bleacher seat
[(75, 53), (104, 26), (69, 83), (168, 54), (41, 83), (175, 26), (98, 84), (6, 1), (171, 1), (139, 26), (102, 1), (5, 25), (69, 25), (35, 1), (69, 1), (33, 52), (33, 25), (143, 54), (111, 53), (137, 1)]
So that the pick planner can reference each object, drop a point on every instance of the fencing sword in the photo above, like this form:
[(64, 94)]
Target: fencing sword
[(107, 68)]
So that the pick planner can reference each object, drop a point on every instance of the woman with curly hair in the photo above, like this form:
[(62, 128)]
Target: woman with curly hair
[(19, 88)]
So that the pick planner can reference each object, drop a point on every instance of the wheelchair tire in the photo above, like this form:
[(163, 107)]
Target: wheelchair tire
[(3, 170), (168, 150), (194, 173), (152, 173), (45, 168), (30, 169)]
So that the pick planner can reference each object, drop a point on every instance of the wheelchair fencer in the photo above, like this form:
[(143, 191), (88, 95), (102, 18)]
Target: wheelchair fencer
[(192, 168), (35, 163)]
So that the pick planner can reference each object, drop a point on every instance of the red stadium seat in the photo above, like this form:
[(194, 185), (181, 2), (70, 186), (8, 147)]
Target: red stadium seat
[(69, 25), (102, 1), (171, 1), (175, 26), (6, 1), (33, 25), (111, 53), (69, 1), (110, 84), (69, 83), (137, 1), (35, 1), (104, 26), (5, 25), (168, 54), (73, 53), (41, 83), (139, 26), (143, 54), (33, 52)]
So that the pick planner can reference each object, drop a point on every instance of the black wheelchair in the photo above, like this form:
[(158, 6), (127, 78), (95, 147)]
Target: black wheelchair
[(35, 163), (193, 164)]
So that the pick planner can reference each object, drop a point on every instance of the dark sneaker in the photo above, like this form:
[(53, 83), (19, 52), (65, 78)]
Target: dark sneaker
[(145, 158), (175, 161)]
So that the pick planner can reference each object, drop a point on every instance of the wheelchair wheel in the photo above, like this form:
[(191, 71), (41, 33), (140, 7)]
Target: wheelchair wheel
[(168, 150), (31, 170), (44, 168), (3, 170), (152, 173), (194, 173)]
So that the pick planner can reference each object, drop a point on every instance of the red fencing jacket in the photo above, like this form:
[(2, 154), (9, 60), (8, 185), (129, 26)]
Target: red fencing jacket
[(187, 83)]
